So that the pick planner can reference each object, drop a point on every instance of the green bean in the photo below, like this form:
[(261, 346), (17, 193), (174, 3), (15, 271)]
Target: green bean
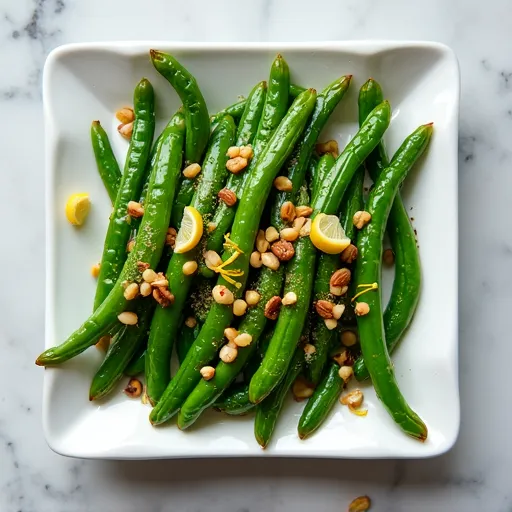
[(268, 410), (119, 229), (295, 90), (324, 165), (368, 270), (208, 391), (166, 321), (298, 162), (120, 352), (106, 162), (148, 249), (235, 401), (197, 119), (319, 406), (137, 363), (327, 199), (186, 339), (407, 282), (246, 134), (243, 235)]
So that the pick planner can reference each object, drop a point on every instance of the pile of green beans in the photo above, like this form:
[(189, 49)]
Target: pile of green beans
[(263, 326)]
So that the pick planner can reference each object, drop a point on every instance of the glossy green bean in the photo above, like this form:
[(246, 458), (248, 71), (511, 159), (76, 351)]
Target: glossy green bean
[(368, 270), (119, 228), (106, 162)]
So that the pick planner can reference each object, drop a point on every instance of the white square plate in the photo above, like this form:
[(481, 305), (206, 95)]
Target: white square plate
[(91, 81)]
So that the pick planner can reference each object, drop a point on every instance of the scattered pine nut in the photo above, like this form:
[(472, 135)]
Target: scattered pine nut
[(130, 245), (353, 399), (330, 323), (287, 211), (212, 259), (189, 267), (348, 338), (233, 152), (239, 307), (95, 270), (222, 295), (125, 115), (361, 219), (149, 275), (337, 311), (303, 211), (230, 333), (271, 234), (133, 389), (252, 297), (346, 372), (236, 165), (388, 257), (360, 504), (289, 234), (302, 389), (126, 130), (283, 184), (191, 171), (299, 222), (228, 354), (145, 289), (255, 259), (243, 340), (135, 209), (361, 309), (131, 291), (289, 299), (262, 244), (270, 260), (207, 372), (128, 318), (190, 322), (246, 152), (306, 229)]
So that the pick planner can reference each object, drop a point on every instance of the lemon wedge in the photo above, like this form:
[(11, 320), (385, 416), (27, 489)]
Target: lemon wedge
[(327, 234), (77, 208), (190, 232)]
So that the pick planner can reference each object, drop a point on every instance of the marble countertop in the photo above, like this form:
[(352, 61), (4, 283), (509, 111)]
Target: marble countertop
[(473, 476)]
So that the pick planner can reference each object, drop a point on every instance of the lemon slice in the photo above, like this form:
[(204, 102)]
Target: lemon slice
[(327, 234), (190, 232), (77, 208)]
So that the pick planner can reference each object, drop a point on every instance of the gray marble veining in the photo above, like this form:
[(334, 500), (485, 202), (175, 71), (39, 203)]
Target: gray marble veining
[(474, 476)]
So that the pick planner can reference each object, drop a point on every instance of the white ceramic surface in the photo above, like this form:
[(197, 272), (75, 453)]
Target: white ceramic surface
[(86, 82)]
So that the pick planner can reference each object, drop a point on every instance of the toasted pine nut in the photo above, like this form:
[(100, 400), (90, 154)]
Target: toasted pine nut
[(133, 389), (289, 299), (255, 259), (125, 115), (239, 307), (243, 340), (361, 309), (95, 270), (228, 354), (246, 152), (309, 349), (270, 260), (388, 257), (302, 389), (128, 318), (191, 171), (361, 219), (212, 259), (131, 291), (149, 275), (330, 323), (230, 333), (346, 372), (252, 297), (160, 283), (337, 311), (145, 289), (189, 267), (303, 211), (262, 244), (287, 211), (298, 223), (211, 226), (353, 399), (283, 184), (236, 165), (135, 209), (335, 290), (306, 229), (348, 338), (130, 245), (233, 152), (222, 295), (341, 357), (207, 372), (289, 234), (271, 234), (190, 322), (126, 130)]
